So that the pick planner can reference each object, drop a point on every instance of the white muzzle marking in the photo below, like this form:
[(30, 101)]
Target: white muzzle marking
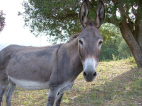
[(90, 63)]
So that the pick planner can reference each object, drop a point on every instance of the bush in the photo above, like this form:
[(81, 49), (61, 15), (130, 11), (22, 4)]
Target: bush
[(115, 48)]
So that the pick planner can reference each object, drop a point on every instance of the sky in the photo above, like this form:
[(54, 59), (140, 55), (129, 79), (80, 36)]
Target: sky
[(14, 31)]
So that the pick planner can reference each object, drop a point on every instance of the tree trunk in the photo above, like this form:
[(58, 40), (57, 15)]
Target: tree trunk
[(140, 35), (135, 47)]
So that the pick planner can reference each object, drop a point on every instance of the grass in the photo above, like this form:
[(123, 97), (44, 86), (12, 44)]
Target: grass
[(118, 83)]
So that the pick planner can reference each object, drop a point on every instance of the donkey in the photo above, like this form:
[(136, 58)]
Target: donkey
[(53, 67)]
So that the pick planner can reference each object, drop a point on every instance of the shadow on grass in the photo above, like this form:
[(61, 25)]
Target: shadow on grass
[(125, 89)]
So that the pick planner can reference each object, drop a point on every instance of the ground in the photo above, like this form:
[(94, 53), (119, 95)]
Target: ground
[(118, 83)]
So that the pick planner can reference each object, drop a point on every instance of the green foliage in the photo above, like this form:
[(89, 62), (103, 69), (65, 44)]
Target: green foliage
[(59, 19), (109, 48), (2, 20), (113, 57), (127, 8), (114, 46), (56, 18), (109, 31), (131, 61), (123, 49)]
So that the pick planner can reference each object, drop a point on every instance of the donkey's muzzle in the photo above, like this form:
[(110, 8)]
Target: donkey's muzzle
[(89, 76)]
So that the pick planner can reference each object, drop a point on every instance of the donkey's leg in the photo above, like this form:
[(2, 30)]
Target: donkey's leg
[(10, 90), (3, 84), (52, 96), (2, 90), (58, 99)]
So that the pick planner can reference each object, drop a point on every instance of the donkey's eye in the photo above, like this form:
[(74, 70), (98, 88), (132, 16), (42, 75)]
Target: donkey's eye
[(100, 42), (81, 42)]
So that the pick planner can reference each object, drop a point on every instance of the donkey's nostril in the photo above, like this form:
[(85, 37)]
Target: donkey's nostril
[(95, 74), (84, 73)]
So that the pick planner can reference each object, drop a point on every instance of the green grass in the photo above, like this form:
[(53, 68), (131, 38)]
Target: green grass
[(118, 83)]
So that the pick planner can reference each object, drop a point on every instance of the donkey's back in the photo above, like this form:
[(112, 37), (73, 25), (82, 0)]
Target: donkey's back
[(6, 53), (14, 54)]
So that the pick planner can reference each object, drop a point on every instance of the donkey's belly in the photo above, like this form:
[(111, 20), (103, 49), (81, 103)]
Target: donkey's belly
[(30, 85)]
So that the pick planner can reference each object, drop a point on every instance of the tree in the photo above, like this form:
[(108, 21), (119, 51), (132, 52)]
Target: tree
[(129, 22), (60, 19), (56, 18), (2, 20)]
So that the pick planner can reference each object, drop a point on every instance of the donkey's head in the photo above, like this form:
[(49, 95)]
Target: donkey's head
[(90, 40)]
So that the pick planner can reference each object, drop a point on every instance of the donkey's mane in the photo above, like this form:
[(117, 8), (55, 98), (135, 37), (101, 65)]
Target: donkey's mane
[(73, 37)]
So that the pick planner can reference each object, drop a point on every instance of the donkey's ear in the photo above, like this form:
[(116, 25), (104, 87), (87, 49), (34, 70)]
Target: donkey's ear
[(83, 13), (100, 14)]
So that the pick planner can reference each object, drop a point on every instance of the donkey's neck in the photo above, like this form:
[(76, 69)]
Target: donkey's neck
[(75, 62)]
